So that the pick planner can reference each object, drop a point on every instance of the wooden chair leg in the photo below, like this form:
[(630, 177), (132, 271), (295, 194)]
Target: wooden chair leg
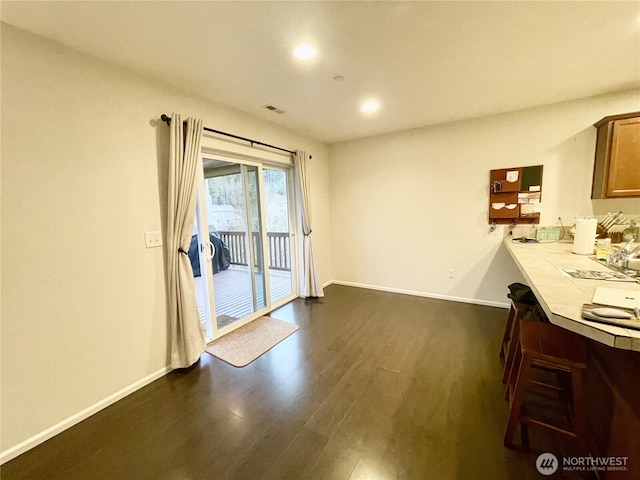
[(513, 348), (512, 374), (507, 336), (516, 400), (524, 437), (580, 412)]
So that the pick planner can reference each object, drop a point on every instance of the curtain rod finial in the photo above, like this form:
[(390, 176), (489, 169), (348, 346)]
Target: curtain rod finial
[(166, 119)]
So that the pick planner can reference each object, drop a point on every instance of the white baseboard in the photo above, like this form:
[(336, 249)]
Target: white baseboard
[(475, 301), (52, 431)]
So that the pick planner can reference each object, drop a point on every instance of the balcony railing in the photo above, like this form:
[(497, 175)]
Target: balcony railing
[(279, 244)]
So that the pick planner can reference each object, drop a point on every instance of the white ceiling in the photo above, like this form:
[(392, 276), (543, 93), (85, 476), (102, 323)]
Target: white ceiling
[(426, 62)]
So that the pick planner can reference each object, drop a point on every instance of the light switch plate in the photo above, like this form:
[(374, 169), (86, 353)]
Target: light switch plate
[(152, 239)]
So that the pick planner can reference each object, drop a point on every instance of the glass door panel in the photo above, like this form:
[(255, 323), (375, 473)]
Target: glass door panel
[(277, 215), (254, 231), (227, 206)]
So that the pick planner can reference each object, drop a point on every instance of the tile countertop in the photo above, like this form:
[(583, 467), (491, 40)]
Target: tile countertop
[(562, 297)]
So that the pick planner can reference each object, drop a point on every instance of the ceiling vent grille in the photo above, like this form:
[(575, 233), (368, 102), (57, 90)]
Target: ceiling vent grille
[(273, 108)]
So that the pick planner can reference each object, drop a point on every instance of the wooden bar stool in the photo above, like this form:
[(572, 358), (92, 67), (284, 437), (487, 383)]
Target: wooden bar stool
[(559, 353), (510, 336)]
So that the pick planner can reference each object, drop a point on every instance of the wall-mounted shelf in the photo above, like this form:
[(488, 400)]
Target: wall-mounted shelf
[(515, 195)]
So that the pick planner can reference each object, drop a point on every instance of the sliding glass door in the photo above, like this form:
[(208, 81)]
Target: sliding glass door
[(233, 253)]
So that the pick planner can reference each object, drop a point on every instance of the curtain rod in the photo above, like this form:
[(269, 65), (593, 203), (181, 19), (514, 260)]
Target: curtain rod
[(167, 119)]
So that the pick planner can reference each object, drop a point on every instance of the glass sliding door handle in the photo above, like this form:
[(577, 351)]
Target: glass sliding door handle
[(212, 251)]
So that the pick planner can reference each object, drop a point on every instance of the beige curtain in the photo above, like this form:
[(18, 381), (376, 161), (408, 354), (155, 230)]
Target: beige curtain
[(187, 338), (309, 285)]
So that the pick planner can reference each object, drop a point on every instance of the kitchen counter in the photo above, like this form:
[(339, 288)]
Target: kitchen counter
[(613, 353), (562, 297)]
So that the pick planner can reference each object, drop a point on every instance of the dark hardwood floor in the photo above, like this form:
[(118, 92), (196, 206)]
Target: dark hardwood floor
[(374, 385)]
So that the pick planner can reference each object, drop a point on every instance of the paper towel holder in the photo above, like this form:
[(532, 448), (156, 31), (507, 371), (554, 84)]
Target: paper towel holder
[(585, 236)]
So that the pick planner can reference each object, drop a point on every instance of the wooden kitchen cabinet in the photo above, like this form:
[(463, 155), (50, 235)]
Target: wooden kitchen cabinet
[(616, 170)]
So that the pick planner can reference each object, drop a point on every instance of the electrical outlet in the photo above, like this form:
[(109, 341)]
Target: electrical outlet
[(152, 239), (451, 273)]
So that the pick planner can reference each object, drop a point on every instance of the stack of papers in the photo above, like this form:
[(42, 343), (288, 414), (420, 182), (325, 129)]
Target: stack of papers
[(598, 275), (626, 303)]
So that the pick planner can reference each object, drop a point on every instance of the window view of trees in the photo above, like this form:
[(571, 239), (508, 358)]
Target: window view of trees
[(276, 198), (227, 203)]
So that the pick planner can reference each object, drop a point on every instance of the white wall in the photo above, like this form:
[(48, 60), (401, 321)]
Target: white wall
[(408, 206), (83, 177)]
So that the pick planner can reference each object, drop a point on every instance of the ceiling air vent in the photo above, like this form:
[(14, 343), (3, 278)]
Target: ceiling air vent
[(273, 108)]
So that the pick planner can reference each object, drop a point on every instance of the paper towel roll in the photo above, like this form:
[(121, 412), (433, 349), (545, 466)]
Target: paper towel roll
[(585, 237)]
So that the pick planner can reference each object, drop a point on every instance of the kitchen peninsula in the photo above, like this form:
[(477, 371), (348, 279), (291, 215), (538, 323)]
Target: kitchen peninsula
[(562, 297), (613, 369)]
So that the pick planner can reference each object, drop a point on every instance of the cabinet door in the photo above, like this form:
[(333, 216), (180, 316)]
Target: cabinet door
[(624, 166)]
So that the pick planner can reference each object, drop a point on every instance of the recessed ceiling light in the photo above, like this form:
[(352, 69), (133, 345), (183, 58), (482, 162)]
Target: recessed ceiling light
[(305, 51), (338, 78), (370, 106)]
